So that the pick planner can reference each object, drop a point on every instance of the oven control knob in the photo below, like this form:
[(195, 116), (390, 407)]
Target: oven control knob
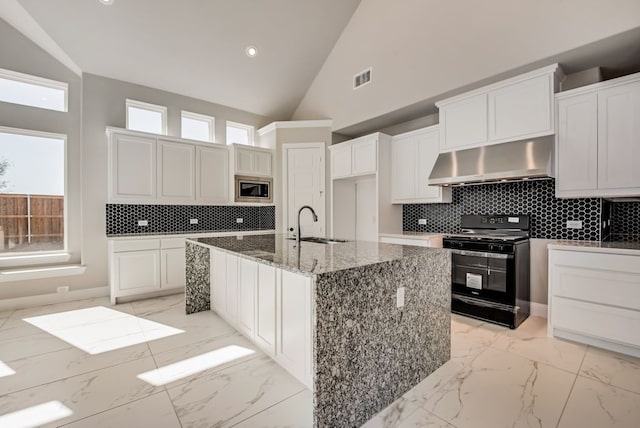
[(501, 247), (492, 247)]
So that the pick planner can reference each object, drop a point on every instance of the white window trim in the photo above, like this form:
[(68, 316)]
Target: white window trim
[(201, 117), (42, 257), (249, 128), (147, 106), (39, 81)]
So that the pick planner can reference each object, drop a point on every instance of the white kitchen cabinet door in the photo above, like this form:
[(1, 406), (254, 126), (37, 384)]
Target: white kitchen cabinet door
[(426, 153), (266, 308), (463, 123), (218, 282), (248, 278), (294, 325), (176, 171), (522, 109), (403, 169), (262, 164), (253, 161), (212, 174), (619, 139), (135, 272), (233, 283), (173, 267), (340, 161), (364, 157), (132, 168), (577, 145)]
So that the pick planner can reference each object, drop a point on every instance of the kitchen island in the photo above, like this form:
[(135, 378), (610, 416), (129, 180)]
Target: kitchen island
[(359, 323)]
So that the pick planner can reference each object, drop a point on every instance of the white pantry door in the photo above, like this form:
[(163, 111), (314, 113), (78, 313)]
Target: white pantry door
[(305, 186)]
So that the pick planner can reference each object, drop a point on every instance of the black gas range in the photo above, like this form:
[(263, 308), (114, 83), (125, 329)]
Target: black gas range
[(490, 268)]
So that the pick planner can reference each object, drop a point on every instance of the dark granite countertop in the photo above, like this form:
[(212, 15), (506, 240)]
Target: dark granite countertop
[(309, 258)]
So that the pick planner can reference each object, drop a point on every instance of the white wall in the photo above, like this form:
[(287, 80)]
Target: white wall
[(422, 49), (94, 103)]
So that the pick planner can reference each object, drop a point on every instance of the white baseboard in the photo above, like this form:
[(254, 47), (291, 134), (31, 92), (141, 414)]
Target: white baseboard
[(538, 310), (49, 299)]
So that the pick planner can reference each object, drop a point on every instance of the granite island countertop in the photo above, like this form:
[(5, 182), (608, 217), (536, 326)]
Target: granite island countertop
[(310, 258)]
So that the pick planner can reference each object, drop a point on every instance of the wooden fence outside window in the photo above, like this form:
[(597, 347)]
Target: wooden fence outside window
[(31, 221)]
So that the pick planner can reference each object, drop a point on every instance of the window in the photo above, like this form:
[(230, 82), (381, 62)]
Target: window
[(32, 191), (146, 117), (196, 126), (238, 133), (18, 88)]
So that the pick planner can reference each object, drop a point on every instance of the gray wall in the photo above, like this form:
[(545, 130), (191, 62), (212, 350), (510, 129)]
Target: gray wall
[(19, 54), (420, 50), (95, 102)]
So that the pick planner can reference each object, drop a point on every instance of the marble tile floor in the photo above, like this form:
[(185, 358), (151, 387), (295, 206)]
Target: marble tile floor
[(166, 369)]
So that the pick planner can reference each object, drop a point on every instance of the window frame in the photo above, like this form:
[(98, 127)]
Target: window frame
[(141, 105), (211, 120), (42, 257), (249, 128), (37, 81)]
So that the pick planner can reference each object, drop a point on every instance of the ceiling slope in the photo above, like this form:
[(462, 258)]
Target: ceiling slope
[(424, 50), (197, 47)]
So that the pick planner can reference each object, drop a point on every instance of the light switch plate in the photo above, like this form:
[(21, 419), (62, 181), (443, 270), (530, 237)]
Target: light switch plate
[(240, 220), (193, 221), (574, 224), (143, 222), (422, 221)]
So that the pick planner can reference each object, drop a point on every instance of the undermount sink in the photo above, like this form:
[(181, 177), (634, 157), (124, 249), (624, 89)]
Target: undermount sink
[(321, 240)]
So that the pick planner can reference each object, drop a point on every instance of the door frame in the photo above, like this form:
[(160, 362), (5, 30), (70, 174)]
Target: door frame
[(285, 181)]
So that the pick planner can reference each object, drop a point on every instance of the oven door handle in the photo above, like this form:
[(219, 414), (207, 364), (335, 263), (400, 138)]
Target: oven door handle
[(483, 254)]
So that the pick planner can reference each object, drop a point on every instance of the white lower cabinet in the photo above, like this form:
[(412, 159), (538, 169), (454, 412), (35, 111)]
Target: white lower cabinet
[(140, 266), (594, 298), (248, 276), (273, 309)]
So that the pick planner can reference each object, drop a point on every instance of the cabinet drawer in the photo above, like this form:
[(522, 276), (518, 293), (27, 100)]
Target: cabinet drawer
[(598, 321), (166, 243), (582, 259), (135, 245)]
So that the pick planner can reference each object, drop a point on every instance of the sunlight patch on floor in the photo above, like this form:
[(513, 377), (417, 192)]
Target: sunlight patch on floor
[(99, 329), (5, 370), (35, 416), (167, 374)]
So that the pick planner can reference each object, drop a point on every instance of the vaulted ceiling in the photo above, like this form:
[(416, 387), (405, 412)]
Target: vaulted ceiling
[(197, 47)]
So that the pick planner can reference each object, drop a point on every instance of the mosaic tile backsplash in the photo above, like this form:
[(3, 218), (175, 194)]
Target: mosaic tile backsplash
[(625, 221), (122, 219), (536, 198)]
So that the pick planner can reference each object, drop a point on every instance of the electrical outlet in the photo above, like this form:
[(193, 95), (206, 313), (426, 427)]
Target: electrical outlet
[(422, 221), (574, 224), (240, 220), (193, 221), (143, 222), (62, 289), (400, 297)]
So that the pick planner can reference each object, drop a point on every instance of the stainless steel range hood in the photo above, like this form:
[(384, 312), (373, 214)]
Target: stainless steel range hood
[(511, 161)]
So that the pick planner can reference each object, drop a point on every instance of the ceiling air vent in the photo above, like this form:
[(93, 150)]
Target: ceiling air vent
[(362, 78)]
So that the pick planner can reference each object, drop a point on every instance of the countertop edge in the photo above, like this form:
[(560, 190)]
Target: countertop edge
[(186, 235), (413, 235), (595, 247)]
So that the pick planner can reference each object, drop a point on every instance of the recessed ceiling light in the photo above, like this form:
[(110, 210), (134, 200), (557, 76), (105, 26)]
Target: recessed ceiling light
[(251, 51), (107, 2)]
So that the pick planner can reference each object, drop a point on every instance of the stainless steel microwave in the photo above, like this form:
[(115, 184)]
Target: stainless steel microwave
[(254, 189)]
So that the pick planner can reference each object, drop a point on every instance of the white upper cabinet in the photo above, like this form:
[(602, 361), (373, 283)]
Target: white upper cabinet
[(619, 138), (523, 109), (511, 110), (412, 158), (598, 141), (212, 174), (176, 172), (252, 161), (132, 168), (355, 157), (151, 169), (464, 123), (577, 148)]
